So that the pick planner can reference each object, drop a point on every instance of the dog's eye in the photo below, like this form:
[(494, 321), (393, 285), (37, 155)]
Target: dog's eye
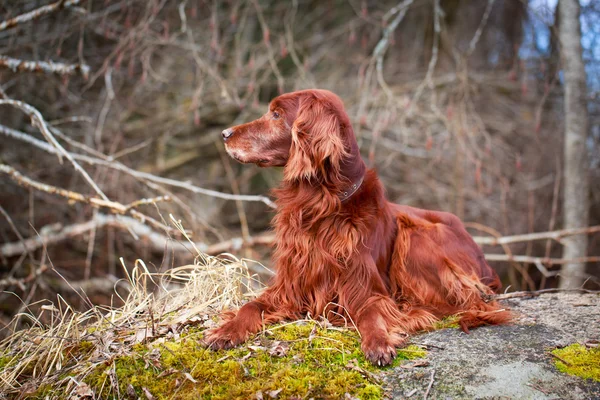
[(275, 115)]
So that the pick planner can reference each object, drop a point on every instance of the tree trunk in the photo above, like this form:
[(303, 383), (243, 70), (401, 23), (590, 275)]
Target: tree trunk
[(576, 186)]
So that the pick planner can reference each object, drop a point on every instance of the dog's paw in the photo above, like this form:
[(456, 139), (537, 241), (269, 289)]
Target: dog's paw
[(380, 351), (225, 336)]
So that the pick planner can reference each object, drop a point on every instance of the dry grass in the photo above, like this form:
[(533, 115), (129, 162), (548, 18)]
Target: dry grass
[(63, 352)]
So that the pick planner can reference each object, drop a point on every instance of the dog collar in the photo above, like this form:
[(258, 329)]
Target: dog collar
[(349, 191)]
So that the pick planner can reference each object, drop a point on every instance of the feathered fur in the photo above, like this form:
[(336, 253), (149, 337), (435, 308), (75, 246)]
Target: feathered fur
[(393, 269)]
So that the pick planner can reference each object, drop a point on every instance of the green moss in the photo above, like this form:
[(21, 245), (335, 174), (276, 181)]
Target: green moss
[(4, 362), (7, 361), (44, 392), (78, 350), (448, 322), (579, 361), (300, 360)]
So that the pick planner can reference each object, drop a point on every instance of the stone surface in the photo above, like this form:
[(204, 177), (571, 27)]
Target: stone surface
[(506, 362)]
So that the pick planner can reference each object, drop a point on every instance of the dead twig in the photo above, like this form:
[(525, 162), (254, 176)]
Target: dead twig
[(523, 271), (55, 233), (430, 385), (37, 13), (74, 196), (114, 206), (143, 176), (37, 120), (383, 44), (48, 67), (555, 235), (482, 23), (540, 260), (428, 81), (535, 293), (16, 231)]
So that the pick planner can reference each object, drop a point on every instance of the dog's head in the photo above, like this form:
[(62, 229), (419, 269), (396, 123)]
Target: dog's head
[(306, 132)]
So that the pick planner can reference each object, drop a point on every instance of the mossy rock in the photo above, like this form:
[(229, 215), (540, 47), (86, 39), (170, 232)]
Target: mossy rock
[(578, 360), (299, 360)]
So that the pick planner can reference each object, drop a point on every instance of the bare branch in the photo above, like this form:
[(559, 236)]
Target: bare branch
[(74, 196), (38, 121), (49, 67), (13, 133), (56, 233), (428, 81), (384, 42), (556, 235), (534, 293), (540, 260), (482, 23), (93, 201), (37, 13), (270, 52)]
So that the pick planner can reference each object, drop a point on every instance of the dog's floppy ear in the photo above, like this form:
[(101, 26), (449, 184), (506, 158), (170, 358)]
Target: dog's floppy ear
[(317, 145)]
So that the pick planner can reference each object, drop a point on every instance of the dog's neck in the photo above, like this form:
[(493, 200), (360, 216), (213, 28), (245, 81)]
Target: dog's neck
[(352, 169), (342, 182), (346, 193)]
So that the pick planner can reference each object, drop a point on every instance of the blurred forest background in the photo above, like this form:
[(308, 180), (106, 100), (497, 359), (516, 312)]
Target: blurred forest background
[(111, 114)]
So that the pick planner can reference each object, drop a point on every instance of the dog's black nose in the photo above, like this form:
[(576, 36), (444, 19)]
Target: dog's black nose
[(227, 133)]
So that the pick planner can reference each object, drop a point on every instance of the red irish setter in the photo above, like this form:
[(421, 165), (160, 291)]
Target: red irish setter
[(342, 248)]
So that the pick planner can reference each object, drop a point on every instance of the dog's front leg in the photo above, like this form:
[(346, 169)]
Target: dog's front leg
[(375, 313), (248, 320)]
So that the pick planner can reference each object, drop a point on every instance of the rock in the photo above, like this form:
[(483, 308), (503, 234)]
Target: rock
[(511, 361)]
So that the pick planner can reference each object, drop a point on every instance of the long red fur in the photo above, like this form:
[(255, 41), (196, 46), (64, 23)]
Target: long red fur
[(392, 269)]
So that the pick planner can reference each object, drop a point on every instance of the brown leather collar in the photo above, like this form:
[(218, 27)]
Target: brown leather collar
[(349, 191)]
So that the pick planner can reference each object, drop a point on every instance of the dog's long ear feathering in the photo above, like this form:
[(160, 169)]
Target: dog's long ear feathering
[(317, 147)]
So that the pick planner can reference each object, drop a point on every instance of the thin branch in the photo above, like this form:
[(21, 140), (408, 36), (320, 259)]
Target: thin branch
[(38, 121), (523, 271), (16, 231), (539, 292), (540, 260), (556, 235), (270, 52), (56, 233), (94, 285), (93, 201), (431, 380), (137, 174), (48, 67), (384, 42), (428, 81), (74, 196), (37, 13), (482, 23)]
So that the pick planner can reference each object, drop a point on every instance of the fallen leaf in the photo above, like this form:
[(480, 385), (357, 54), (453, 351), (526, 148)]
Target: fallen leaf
[(190, 377), (167, 372), (279, 349), (148, 395), (257, 348), (131, 392), (415, 364), (274, 393), (83, 391), (141, 335)]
